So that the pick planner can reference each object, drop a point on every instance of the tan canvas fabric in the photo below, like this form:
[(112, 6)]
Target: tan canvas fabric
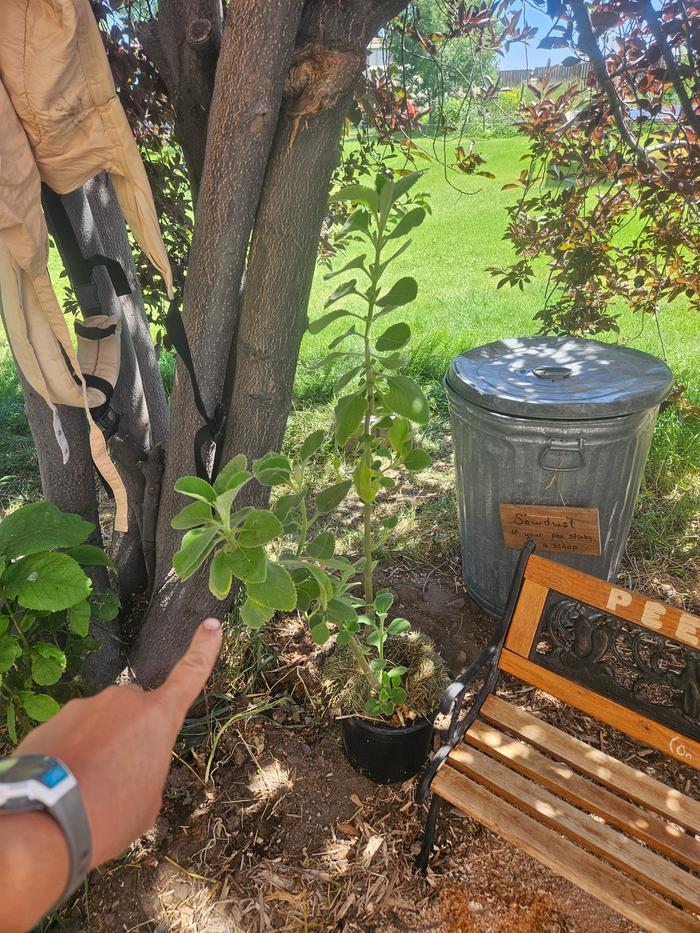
[(61, 123)]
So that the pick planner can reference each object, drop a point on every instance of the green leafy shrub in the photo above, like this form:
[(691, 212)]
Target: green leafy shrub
[(46, 604), (279, 554)]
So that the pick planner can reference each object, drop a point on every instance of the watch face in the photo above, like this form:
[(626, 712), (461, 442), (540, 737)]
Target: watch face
[(25, 768)]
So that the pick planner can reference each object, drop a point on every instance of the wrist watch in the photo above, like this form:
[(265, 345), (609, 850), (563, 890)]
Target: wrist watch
[(39, 782)]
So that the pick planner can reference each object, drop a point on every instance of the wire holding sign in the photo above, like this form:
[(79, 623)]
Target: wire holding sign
[(554, 528)]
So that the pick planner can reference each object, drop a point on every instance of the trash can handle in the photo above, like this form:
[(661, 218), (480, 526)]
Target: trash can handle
[(559, 445)]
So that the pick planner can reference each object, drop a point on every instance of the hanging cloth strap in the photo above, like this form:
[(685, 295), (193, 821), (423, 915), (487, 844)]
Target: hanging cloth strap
[(212, 431)]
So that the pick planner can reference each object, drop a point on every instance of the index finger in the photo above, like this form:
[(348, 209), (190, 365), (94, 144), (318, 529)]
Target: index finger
[(187, 679)]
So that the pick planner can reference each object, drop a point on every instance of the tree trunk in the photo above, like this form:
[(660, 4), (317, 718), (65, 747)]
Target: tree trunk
[(254, 340)]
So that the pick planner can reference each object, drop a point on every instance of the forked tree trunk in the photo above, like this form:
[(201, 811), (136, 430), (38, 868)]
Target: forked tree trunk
[(246, 341)]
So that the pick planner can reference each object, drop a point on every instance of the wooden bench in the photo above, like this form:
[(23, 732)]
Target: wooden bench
[(631, 663)]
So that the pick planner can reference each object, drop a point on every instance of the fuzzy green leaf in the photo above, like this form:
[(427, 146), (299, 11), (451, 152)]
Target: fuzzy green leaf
[(398, 626), (366, 484), (417, 459), (357, 193), (401, 293), (40, 526), (411, 219), (399, 433), (276, 591), (48, 663), (383, 601), (194, 550), (341, 611), (320, 633), (322, 547), (404, 184), (285, 504), (260, 527), (347, 378), (342, 291), (394, 337), (405, 397), (10, 650), (311, 444), (192, 516), (220, 574), (39, 706), (254, 614), (50, 581), (249, 564), (79, 618), (272, 470), (330, 498), (357, 263), (230, 473), (349, 411), (195, 488), (397, 671)]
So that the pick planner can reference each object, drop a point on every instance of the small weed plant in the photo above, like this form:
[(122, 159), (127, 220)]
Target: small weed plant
[(282, 555), (46, 604)]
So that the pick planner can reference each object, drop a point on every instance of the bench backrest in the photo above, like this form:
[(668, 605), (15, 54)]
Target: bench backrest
[(629, 661)]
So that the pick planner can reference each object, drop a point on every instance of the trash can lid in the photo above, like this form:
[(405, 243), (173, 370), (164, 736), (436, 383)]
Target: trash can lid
[(568, 378)]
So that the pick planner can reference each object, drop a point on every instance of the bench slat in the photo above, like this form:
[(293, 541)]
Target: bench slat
[(598, 878), (604, 768), (583, 792), (638, 726), (621, 851)]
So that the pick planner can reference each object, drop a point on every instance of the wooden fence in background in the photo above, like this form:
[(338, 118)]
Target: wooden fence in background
[(516, 76)]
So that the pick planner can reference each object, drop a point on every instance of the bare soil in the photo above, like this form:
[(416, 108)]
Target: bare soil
[(286, 836)]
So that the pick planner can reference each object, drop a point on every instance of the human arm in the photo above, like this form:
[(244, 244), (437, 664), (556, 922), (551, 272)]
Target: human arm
[(118, 745)]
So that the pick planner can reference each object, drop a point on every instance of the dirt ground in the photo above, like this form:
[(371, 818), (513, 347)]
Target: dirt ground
[(284, 835)]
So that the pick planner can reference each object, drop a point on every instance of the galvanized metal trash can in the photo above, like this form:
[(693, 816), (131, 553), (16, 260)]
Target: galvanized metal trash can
[(551, 435)]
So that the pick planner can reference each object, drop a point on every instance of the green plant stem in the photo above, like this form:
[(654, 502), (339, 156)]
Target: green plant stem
[(362, 664), (22, 636)]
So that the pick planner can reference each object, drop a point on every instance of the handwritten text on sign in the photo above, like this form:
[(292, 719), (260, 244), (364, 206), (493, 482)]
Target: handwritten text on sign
[(570, 531)]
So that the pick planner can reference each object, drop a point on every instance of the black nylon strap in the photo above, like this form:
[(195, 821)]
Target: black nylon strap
[(94, 333), (211, 432)]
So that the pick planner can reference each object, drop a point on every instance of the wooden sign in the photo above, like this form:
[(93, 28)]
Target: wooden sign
[(553, 527)]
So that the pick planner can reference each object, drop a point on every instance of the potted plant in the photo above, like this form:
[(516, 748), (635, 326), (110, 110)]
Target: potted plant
[(385, 679)]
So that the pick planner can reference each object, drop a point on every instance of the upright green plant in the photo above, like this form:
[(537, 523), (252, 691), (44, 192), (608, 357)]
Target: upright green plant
[(279, 555), (46, 603)]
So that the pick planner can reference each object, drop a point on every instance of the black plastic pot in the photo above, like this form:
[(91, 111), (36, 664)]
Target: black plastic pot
[(383, 754)]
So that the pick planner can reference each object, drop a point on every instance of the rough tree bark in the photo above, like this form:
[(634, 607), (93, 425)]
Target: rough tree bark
[(254, 340)]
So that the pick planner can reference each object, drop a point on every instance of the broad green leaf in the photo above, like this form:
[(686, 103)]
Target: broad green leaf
[(254, 614), (402, 249), (404, 184), (335, 358), (195, 488), (11, 721), (40, 526), (48, 663), (320, 633), (357, 193), (285, 504), (193, 515), (331, 497), (357, 222), (411, 219), (234, 484), (347, 378), (417, 459), (383, 602), (398, 626), (405, 397), (311, 444), (39, 706), (399, 433), (322, 547), (366, 484), (272, 469), (88, 555), (50, 581), (394, 361), (373, 707), (349, 412), (220, 574), (105, 606), (342, 291), (249, 564), (401, 293), (259, 527), (394, 338), (79, 618), (230, 473), (398, 671), (341, 611), (194, 550), (10, 650), (336, 341), (398, 695), (357, 263), (277, 590)]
